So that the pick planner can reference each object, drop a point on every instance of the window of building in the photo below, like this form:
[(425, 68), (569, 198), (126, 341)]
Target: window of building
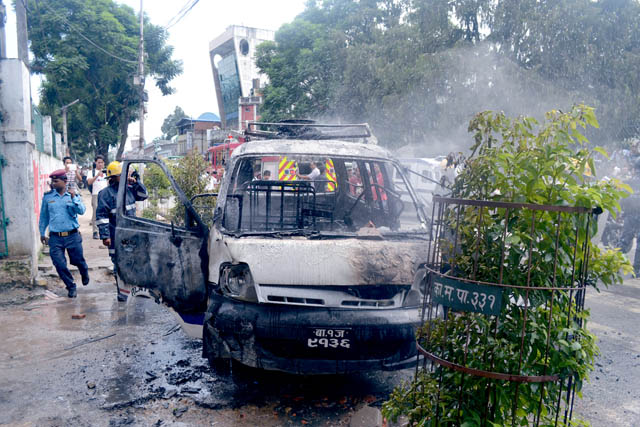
[(244, 47)]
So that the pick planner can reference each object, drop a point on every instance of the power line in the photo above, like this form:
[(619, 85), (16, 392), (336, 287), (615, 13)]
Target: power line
[(72, 27), (181, 13), (182, 9), (195, 2)]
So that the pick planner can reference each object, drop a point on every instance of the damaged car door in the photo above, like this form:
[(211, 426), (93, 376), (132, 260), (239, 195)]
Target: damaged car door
[(163, 247)]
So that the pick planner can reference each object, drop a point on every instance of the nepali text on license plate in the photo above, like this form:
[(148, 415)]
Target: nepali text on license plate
[(328, 338)]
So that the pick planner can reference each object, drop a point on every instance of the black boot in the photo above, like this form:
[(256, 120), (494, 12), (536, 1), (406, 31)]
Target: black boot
[(85, 278)]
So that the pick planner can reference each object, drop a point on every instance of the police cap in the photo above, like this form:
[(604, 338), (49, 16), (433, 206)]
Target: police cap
[(58, 174)]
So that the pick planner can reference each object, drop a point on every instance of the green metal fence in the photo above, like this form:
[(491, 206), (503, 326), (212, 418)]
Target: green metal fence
[(4, 245), (53, 143), (36, 119)]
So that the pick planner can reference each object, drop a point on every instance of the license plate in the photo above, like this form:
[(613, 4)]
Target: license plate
[(325, 338)]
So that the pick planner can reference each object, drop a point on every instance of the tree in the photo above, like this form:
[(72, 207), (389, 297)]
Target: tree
[(190, 175), (88, 51), (418, 70), (592, 47), (302, 62), (518, 160), (169, 128)]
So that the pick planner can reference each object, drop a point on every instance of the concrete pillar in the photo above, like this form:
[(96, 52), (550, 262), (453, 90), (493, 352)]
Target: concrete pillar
[(17, 144), (59, 147), (47, 133)]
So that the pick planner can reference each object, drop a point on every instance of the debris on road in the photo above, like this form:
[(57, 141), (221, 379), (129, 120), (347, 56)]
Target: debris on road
[(78, 316), (172, 330), (89, 341), (177, 412), (190, 390)]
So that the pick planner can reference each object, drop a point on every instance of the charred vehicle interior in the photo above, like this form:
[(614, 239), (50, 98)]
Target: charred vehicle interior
[(338, 201)]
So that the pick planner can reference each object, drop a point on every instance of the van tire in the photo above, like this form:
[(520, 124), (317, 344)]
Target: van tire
[(219, 366)]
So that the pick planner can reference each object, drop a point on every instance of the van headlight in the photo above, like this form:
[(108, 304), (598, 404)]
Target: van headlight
[(236, 282), (415, 295)]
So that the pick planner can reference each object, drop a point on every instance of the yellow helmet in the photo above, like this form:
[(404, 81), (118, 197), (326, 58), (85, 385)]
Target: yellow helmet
[(114, 169)]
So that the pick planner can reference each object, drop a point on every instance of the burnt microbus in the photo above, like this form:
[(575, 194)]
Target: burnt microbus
[(306, 261)]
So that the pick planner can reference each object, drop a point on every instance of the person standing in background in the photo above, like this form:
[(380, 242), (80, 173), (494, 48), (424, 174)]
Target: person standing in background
[(73, 176), (313, 175), (97, 179)]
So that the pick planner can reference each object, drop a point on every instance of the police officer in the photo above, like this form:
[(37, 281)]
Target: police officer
[(106, 212), (59, 212)]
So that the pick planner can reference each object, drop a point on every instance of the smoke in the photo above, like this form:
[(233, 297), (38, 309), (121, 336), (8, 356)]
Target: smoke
[(431, 117)]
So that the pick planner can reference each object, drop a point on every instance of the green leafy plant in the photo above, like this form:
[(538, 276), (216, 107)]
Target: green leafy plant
[(519, 160), (190, 175), (157, 182)]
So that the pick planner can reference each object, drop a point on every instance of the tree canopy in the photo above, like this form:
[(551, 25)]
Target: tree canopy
[(88, 51), (418, 70), (168, 127)]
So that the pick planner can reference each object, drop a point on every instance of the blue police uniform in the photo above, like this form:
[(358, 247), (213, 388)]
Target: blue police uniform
[(60, 214), (106, 211)]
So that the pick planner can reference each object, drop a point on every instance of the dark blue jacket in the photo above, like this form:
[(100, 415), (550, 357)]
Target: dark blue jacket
[(106, 211)]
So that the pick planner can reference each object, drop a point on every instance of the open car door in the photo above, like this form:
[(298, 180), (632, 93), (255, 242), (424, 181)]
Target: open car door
[(163, 247)]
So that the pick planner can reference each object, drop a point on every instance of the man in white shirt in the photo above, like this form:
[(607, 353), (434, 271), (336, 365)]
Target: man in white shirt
[(313, 175), (98, 179)]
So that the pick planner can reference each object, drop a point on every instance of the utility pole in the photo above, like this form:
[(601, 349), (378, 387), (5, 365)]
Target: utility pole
[(64, 123), (3, 37), (23, 39), (141, 77)]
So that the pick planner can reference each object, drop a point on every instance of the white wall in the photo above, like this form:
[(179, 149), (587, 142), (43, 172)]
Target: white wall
[(26, 171), (17, 147)]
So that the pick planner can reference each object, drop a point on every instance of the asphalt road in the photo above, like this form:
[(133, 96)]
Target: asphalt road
[(129, 365), (612, 398)]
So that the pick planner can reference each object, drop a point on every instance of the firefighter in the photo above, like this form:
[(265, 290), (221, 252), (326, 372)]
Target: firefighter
[(106, 212)]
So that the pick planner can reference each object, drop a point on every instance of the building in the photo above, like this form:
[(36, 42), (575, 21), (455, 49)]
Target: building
[(165, 149), (161, 149), (235, 74), (248, 107), (192, 133)]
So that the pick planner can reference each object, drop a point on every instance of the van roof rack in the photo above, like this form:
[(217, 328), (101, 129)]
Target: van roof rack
[(307, 129)]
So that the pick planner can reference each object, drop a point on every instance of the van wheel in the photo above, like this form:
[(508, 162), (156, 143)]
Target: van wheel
[(220, 366), (210, 350)]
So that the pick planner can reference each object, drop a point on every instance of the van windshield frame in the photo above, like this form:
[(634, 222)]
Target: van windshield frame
[(316, 194)]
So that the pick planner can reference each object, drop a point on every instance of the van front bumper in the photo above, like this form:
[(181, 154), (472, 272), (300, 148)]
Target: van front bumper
[(286, 338)]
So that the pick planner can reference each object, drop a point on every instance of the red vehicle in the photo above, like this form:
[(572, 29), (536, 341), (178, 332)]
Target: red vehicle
[(218, 156)]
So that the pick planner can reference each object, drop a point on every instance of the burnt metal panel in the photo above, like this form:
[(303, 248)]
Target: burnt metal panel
[(165, 258)]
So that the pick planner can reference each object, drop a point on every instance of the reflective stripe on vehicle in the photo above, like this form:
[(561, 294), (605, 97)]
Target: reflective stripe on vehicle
[(331, 175), (287, 170)]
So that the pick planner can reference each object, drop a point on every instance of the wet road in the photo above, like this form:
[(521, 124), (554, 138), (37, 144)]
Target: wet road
[(130, 365), (612, 398)]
